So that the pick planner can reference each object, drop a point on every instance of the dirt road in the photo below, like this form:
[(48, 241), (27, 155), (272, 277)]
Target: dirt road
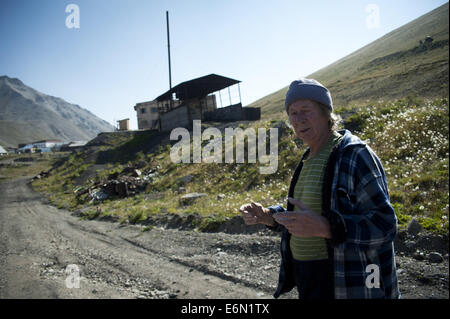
[(43, 249), (47, 252)]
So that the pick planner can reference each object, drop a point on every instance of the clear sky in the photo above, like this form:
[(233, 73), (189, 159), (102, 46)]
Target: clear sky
[(118, 55)]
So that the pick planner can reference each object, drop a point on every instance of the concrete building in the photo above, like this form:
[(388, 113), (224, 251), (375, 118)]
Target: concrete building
[(148, 115), (186, 112), (124, 125), (193, 100), (43, 146)]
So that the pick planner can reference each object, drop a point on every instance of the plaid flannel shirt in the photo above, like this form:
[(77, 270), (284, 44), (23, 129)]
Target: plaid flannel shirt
[(362, 222)]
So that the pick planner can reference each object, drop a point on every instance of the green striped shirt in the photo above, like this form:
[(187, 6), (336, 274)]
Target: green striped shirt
[(309, 190)]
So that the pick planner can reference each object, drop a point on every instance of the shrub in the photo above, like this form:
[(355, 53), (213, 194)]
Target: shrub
[(136, 216)]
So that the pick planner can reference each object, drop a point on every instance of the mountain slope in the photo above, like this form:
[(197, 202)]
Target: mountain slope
[(27, 115), (393, 66)]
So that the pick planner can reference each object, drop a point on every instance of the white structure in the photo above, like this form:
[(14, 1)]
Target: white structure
[(3, 151), (43, 146), (71, 146)]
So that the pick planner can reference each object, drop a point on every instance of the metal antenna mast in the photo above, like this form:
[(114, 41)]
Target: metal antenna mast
[(168, 49)]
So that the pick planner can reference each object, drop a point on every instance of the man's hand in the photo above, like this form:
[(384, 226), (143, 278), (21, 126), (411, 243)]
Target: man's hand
[(255, 213), (304, 222)]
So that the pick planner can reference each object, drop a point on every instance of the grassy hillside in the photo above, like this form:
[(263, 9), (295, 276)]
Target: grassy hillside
[(27, 165), (409, 135), (392, 93), (391, 67)]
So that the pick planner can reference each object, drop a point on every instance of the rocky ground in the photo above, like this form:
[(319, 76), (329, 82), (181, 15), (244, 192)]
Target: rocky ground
[(43, 250)]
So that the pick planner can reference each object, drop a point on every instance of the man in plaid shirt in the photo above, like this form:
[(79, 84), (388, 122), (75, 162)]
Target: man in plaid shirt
[(349, 210)]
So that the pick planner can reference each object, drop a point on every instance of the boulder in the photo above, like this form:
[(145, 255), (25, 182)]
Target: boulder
[(185, 179), (418, 255), (414, 227), (236, 225), (435, 257), (190, 198)]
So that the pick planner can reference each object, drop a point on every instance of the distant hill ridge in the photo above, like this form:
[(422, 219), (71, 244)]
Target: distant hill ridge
[(391, 67), (28, 115)]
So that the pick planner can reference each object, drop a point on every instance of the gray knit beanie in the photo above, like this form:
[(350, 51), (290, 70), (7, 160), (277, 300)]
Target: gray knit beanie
[(308, 89)]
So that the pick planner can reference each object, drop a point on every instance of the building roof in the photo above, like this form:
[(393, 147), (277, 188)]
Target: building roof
[(199, 87), (47, 141), (77, 144)]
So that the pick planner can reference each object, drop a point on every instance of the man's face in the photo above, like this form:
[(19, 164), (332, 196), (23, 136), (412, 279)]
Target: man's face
[(309, 122)]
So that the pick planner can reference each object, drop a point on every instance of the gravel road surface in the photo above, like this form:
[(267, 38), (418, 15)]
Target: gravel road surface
[(47, 252)]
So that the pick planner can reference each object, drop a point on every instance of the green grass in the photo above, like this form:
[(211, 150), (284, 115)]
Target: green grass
[(389, 68), (15, 165), (389, 93), (136, 215), (411, 138), (409, 135), (90, 214)]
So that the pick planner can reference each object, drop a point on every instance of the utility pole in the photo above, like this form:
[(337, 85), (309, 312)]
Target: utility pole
[(168, 49)]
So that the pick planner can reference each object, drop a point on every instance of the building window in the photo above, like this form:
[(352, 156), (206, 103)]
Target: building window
[(153, 110), (142, 111)]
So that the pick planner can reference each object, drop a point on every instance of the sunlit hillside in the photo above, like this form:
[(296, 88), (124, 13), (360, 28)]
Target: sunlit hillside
[(392, 67)]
